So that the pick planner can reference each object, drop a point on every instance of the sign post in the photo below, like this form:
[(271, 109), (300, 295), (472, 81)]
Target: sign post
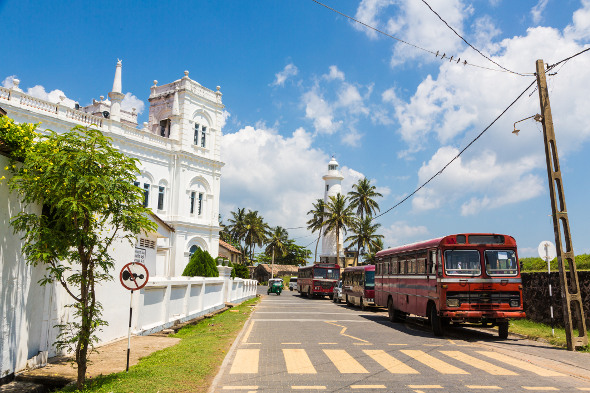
[(133, 276), (547, 251)]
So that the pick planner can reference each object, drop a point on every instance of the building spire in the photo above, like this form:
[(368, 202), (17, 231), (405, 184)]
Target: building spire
[(117, 82)]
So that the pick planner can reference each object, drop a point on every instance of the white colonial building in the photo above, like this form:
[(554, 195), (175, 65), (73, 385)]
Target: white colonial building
[(178, 150)]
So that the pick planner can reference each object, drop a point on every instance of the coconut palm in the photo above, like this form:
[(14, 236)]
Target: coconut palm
[(338, 217), (237, 225), (373, 249), (316, 223), (256, 231), (365, 235), (276, 244), (362, 199)]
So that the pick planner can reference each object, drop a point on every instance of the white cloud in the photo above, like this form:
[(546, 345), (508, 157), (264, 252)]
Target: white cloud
[(334, 74), (320, 112), (8, 82), (55, 96), (400, 233), (580, 28), (279, 176), (130, 101), (537, 10), (224, 116), (367, 12), (289, 71)]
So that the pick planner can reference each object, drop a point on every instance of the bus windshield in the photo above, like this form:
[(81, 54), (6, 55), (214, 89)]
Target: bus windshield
[(462, 263), (501, 263), (322, 272), (369, 280)]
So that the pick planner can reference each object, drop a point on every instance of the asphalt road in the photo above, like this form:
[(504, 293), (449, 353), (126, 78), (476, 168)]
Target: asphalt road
[(298, 344)]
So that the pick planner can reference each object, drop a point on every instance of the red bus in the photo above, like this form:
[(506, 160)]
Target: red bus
[(318, 279), (358, 285), (470, 277)]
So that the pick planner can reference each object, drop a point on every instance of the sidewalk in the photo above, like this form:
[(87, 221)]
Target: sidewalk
[(111, 358)]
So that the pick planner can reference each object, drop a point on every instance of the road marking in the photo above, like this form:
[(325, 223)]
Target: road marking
[(491, 387), (362, 344), (432, 362), (316, 387), (583, 389), (345, 363), (298, 362), (368, 387), (425, 386), (433, 345), (343, 330), (245, 362), (247, 334), (397, 344), (390, 363), (477, 363), (327, 343), (521, 364), (539, 388), (290, 343), (240, 388)]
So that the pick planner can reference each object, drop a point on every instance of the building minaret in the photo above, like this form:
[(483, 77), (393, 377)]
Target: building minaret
[(332, 187), (116, 95)]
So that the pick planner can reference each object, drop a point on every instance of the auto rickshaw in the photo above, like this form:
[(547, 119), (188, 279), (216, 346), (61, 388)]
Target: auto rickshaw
[(275, 285)]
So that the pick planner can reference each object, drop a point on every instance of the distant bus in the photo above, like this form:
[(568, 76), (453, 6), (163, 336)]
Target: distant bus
[(358, 286), (318, 279), (470, 277)]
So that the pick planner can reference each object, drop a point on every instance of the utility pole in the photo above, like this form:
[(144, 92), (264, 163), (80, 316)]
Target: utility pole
[(571, 298)]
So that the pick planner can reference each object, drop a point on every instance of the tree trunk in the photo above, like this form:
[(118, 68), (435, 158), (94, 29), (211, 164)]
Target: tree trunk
[(272, 264), (338, 246), (315, 256)]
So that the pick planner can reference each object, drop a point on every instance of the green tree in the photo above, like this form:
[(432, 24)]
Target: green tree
[(256, 231), (338, 217), (237, 225), (276, 244), (241, 271), (374, 248), (364, 235), (201, 264), (362, 198), (316, 223), (90, 204)]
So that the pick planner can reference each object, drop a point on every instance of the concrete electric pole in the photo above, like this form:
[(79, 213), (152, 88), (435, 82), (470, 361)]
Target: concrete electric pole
[(570, 288)]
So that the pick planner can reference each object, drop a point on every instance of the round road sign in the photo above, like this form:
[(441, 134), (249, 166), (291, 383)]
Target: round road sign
[(134, 276), (547, 249)]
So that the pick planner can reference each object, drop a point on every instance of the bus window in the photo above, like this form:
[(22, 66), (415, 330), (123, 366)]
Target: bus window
[(369, 280), (433, 261), (462, 262), (421, 266), (402, 267), (501, 263)]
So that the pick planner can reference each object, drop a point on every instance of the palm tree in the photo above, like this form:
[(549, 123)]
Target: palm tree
[(316, 223), (373, 249), (256, 231), (237, 224), (277, 244), (362, 199), (364, 235), (339, 217)]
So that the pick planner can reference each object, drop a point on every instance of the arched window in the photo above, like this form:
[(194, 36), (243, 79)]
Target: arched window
[(192, 251)]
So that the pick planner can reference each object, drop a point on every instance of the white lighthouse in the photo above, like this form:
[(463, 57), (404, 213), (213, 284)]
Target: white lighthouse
[(333, 187)]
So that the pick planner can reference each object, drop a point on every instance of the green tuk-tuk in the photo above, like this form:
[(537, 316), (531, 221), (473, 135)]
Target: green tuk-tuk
[(275, 285)]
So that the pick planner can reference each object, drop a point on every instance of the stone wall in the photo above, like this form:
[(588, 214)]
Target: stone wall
[(536, 296)]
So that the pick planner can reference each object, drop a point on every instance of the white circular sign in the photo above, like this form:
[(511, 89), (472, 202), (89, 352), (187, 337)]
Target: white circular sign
[(547, 249), (134, 276)]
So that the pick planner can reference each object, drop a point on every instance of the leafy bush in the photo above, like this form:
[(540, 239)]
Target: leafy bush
[(201, 264), (241, 271), (537, 264)]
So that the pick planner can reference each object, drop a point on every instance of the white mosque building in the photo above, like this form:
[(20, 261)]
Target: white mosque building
[(178, 151)]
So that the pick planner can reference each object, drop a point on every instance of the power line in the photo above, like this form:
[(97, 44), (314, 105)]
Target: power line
[(549, 67), (458, 155), (472, 47), (436, 54)]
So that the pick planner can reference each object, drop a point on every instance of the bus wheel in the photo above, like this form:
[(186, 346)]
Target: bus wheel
[(503, 330), (435, 322), (394, 315), (309, 293)]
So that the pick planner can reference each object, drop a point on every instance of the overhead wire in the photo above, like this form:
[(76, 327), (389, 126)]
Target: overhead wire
[(472, 47), (436, 54)]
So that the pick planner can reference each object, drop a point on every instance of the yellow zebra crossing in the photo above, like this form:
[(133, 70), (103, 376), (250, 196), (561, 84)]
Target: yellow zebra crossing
[(297, 361)]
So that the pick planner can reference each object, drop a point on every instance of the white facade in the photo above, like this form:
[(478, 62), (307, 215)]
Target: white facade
[(179, 157), (332, 179), (178, 151)]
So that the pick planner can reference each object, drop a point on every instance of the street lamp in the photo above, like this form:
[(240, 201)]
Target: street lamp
[(537, 117)]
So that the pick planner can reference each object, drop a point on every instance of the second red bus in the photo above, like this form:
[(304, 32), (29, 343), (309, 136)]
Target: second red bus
[(318, 279), (358, 286)]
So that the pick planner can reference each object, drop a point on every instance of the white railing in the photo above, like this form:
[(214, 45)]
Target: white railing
[(166, 301), (83, 117)]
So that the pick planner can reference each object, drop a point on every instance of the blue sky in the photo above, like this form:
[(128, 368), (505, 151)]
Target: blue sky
[(301, 83)]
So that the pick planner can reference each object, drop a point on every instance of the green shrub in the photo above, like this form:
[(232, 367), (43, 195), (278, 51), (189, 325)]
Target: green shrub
[(537, 264), (201, 264), (241, 271)]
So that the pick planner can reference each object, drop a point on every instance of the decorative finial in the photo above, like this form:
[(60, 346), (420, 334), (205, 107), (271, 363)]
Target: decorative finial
[(119, 62), (155, 82), (218, 88), (186, 74), (101, 98), (15, 83)]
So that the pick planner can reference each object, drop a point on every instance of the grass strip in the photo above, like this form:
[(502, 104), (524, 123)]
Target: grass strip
[(188, 366), (540, 331)]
